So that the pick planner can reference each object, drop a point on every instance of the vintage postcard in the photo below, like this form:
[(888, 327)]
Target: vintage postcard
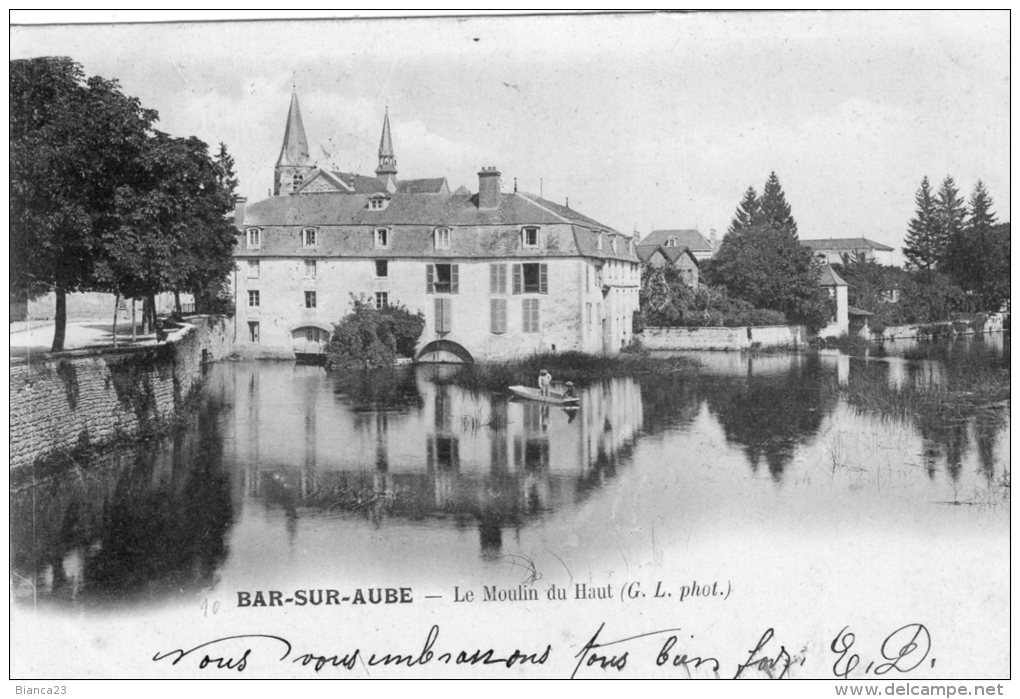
[(649, 345)]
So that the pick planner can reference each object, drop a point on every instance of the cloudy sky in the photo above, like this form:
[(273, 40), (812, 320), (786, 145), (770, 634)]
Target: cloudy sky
[(642, 121)]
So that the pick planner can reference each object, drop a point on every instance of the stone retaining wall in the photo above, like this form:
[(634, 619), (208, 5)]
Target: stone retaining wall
[(713, 338), (90, 397)]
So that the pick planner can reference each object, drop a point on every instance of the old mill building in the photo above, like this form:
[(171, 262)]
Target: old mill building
[(495, 274)]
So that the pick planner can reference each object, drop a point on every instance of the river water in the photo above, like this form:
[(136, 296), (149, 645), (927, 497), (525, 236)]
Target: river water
[(787, 472)]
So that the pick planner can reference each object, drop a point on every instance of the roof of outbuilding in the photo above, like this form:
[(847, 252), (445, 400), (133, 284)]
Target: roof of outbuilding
[(645, 252), (845, 244), (686, 238), (827, 277)]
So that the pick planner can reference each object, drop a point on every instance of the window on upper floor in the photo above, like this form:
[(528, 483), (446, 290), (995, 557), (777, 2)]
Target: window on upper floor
[(310, 269), (444, 315), (497, 316), (310, 237), (672, 242), (442, 279), (253, 298), (382, 269), (253, 269), (531, 278), (310, 299), (382, 237), (599, 244), (442, 238), (529, 237), (497, 278), (254, 237)]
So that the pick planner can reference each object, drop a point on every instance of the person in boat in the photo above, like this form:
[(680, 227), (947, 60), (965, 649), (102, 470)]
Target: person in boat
[(569, 392), (544, 381)]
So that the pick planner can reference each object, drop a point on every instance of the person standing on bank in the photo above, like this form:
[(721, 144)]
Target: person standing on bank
[(544, 380)]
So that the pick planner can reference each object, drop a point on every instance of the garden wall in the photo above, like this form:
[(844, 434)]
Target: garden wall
[(90, 397), (711, 338)]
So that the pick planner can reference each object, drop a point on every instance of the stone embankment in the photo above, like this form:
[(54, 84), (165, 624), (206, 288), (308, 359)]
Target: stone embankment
[(739, 338), (87, 398)]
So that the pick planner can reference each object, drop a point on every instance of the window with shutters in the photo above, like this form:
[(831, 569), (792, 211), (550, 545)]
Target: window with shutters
[(497, 316), (531, 278), (497, 279), (442, 279), (444, 315), (529, 322)]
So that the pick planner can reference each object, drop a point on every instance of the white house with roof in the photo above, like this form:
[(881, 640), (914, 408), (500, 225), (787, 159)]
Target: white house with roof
[(837, 251), (495, 274)]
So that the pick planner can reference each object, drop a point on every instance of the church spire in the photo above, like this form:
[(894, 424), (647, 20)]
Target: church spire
[(387, 160), (294, 161)]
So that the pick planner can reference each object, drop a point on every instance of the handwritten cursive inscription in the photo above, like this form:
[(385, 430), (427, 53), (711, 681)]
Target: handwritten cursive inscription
[(903, 651)]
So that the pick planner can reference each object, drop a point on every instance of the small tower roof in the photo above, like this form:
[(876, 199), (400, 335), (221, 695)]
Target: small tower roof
[(295, 143), (387, 158)]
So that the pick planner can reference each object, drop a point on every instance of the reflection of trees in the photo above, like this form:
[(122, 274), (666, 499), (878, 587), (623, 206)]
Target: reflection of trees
[(770, 415), (945, 387), (138, 522), (670, 401), (384, 389)]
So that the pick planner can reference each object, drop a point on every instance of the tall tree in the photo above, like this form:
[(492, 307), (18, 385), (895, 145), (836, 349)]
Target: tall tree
[(747, 212), (950, 216), (767, 266), (978, 256), (773, 207), (922, 249), (74, 141)]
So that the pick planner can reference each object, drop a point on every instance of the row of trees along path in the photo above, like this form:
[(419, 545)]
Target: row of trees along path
[(102, 201)]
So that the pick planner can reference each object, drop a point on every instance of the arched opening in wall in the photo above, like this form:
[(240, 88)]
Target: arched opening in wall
[(444, 352), (309, 342)]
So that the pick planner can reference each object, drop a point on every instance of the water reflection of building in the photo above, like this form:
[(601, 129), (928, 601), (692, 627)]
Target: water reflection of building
[(447, 452)]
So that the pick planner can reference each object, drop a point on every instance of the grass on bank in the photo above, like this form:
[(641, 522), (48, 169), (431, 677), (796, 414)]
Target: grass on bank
[(582, 369)]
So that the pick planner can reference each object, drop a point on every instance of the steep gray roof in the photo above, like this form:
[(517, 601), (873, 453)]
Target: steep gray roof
[(346, 227), (686, 238), (645, 252), (845, 244)]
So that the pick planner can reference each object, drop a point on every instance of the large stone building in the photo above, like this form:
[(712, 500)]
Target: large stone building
[(495, 274), (839, 251)]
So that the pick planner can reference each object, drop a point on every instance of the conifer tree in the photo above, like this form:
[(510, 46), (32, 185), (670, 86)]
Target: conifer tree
[(950, 215), (773, 208), (922, 249), (747, 212)]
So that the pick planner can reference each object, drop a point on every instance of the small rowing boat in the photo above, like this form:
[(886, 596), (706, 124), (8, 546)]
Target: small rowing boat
[(553, 397)]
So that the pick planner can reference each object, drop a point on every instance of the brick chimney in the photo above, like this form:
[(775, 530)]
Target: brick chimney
[(488, 188), (239, 204)]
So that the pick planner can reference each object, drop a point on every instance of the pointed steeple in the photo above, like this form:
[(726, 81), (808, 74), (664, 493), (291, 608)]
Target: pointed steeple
[(295, 143), (294, 163), (387, 169)]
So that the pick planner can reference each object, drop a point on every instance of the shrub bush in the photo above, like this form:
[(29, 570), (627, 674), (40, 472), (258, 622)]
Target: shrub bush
[(371, 338)]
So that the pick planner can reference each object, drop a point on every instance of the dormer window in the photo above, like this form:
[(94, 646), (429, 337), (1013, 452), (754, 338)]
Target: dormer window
[(529, 237), (254, 237), (310, 237), (672, 242), (600, 240), (442, 238), (382, 237), (612, 243), (378, 201)]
